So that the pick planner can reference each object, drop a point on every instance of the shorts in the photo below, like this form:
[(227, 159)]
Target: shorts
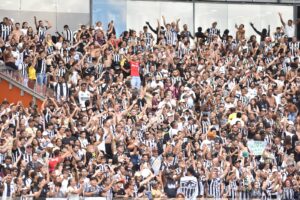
[(41, 79)]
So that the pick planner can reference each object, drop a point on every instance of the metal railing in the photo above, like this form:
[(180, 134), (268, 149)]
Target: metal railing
[(17, 79)]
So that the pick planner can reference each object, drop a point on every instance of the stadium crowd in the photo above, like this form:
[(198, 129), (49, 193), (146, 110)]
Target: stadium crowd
[(158, 113)]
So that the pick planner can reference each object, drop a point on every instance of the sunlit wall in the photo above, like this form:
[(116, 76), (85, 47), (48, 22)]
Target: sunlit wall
[(58, 12), (138, 12)]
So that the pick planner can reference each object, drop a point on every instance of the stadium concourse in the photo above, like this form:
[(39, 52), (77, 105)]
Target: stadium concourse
[(155, 113)]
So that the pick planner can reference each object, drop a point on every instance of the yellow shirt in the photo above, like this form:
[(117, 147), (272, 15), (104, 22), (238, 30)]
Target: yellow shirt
[(122, 62), (31, 73), (231, 117)]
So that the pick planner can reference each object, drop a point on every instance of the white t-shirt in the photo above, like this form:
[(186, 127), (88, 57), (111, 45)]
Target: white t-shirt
[(289, 30), (279, 83), (72, 196), (83, 96), (24, 31)]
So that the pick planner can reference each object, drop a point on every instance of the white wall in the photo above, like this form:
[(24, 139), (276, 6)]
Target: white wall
[(225, 14), (138, 12), (58, 12)]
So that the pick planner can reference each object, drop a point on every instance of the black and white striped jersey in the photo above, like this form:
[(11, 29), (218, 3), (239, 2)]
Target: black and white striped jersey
[(41, 66), (205, 126), (214, 188), (66, 59), (171, 37), (148, 37), (211, 32), (68, 35), (61, 72), (50, 49), (27, 157), (294, 47), (41, 30), (5, 31), (278, 36), (288, 194), (232, 189), (23, 69)]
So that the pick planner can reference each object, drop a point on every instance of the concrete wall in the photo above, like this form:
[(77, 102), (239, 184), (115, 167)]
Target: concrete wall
[(58, 12), (205, 13)]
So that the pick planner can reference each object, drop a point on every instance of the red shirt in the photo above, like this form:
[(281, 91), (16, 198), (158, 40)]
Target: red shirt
[(134, 68), (53, 162)]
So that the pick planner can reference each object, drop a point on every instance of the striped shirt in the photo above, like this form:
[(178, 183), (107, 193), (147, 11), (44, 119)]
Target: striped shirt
[(61, 72), (183, 50), (205, 126), (232, 189), (214, 188), (148, 38), (42, 32), (117, 58), (175, 80), (192, 128), (171, 37), (62, 51), (5, 31), (189, 187), (50, 50), (23, 69), (2, 157), (27, 157), (68, 35), (278, 36), (15, 154), (66, 59), (243, 99), (150, 143), (294, 47), (43, 69), (201, 189), (211, 33), (288, 194)]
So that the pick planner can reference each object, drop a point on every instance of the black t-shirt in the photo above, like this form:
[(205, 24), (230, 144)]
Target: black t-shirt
[(119, 192), (67, 140), (263, 105), (81, 47), (170, 188), (297, 156), (43, 194)]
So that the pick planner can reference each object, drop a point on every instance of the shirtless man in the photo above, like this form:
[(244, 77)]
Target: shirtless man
[(16, 34), (240, 33), (8, 57), (271, 99)]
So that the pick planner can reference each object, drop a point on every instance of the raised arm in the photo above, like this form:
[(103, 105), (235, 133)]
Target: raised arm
[(49, 24), (281, 19), (151, 28), (177, 25), (164, 21), (252, 25), (35, 22)]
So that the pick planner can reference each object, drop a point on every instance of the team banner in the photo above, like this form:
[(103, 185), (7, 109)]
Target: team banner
[(257, 147)]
